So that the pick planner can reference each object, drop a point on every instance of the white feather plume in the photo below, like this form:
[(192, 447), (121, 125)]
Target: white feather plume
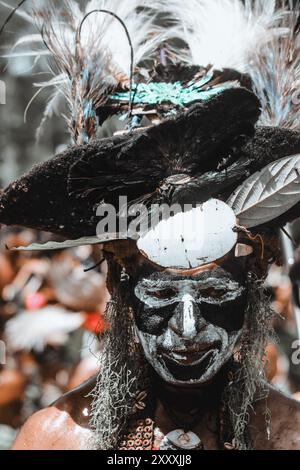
[(275, 72), (34, 330), (224, 33), (257, 37)]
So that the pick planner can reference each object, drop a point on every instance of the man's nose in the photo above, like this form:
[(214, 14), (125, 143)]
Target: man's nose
[(187, 320)]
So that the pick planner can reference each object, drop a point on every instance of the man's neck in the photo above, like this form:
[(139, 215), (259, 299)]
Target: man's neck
[(190, 404)]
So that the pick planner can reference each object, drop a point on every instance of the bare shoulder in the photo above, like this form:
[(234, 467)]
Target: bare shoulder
[(62, 426), (77, 403), (285, 423)]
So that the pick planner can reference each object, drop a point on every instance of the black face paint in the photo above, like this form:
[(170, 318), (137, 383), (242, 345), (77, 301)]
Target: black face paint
[(219, 298), (189, 327)]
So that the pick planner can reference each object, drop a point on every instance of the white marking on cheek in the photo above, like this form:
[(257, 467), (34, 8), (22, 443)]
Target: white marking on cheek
[(189, 324), (167, 342)]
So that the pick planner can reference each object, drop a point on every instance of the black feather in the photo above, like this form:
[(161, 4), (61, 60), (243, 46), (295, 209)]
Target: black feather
[(192, 143), (41, 199)]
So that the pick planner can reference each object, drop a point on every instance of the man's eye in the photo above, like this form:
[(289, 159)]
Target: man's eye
[(212, 293), (163, 294)]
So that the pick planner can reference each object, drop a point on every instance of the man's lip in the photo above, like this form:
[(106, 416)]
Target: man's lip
[(187, 357)]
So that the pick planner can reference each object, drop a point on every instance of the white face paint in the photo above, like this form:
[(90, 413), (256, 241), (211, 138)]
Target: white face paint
[(189, 320), (188, 328), (167, 341)]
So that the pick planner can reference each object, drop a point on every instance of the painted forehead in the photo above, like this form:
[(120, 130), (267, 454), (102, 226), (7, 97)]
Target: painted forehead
[(178, 279), (234, 269)]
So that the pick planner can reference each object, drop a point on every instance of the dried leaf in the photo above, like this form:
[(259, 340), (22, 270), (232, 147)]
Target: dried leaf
[(67, 244), (269, 193)]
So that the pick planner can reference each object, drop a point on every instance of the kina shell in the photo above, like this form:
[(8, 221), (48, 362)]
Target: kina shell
[(191, 239), (183, 440)]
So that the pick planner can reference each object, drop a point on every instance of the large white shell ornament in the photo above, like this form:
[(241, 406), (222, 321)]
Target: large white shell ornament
[(191, 239), (179, 439)]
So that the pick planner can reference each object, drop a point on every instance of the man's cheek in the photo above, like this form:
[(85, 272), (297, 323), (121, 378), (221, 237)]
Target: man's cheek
[(227, 320), (229, 317), (149, 345), (151, 326), (151, 320)]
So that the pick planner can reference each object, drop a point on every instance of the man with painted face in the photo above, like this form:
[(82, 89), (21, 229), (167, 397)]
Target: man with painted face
[(183, 360), (187, 384), (189, 326), (184, 355)]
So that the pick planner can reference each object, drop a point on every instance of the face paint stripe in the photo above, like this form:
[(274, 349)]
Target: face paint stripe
[(189, 323)]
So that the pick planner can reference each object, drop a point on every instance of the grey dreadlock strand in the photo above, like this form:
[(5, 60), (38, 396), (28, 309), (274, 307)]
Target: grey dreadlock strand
[(249, 382), (121, 377)]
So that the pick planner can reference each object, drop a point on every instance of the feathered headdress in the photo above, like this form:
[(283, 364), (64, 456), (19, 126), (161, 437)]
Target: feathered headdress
[(92, 51), (96, 56), (275, 73), (225, 33), (207, 147), (254, 37)]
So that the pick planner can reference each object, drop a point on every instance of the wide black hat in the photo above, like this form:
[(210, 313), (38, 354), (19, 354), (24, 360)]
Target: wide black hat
[(216, 144)]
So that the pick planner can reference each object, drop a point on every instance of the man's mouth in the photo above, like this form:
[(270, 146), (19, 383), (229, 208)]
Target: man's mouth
[(188, 357), (190, 363)]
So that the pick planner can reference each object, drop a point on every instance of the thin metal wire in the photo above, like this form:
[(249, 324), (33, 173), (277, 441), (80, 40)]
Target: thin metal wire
[(108, 12), (95, 266), (10, 16), (289, 236)]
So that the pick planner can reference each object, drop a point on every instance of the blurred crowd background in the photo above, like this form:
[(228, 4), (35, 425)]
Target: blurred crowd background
[(52, 304), (51, 322), (50, 309)]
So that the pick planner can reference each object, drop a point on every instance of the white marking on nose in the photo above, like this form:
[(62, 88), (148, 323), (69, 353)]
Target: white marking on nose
[(189, 324)]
